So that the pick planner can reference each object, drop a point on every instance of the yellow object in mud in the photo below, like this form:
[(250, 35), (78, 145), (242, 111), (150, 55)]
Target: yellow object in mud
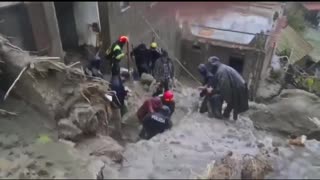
[(154, 45), (44, 139)]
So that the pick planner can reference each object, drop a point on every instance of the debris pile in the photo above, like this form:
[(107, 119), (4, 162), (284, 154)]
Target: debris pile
[(77, 102), (234, 167)]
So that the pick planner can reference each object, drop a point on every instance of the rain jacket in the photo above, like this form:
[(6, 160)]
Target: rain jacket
[(149, 106), (142, 58), (229, 83)]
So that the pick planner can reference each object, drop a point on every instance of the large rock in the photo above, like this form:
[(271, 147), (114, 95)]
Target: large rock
[(102, 146), (84, 119), (267, 90), (67, 130), (292, 112), (146, 79)]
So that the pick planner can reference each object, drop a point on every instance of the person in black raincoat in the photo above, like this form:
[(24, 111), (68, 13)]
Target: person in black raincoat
[(212, 102), (232, 87), (142, 58), (155, 123)]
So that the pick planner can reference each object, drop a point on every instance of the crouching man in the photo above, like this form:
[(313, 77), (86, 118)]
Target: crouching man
[(155, 123)]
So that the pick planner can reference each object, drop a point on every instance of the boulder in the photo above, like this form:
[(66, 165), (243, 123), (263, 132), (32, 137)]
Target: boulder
[(292, 112), (67, 130), (102, 146), (146, 79), (83, 119), (267, 90)]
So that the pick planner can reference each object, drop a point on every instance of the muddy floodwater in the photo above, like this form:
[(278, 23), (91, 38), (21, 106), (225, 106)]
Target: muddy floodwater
[(182, 152)]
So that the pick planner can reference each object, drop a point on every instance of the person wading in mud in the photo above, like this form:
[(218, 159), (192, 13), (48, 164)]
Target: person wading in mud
[(118, 106), (212, 102), (167, 99), (230, 85), (163, 73), (150, 105), (142, 57), (155, 123), (154, 55)]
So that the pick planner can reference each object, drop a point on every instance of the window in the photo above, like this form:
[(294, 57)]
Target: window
[(124, 5)]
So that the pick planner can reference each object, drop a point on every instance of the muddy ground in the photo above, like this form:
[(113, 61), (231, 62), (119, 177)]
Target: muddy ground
[(182, 152)]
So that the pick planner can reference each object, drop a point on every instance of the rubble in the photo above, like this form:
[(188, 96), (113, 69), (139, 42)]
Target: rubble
[(146, 79), (63, 92), (234, 166)]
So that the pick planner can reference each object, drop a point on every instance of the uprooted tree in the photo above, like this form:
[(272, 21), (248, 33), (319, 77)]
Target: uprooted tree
[(63, 92)]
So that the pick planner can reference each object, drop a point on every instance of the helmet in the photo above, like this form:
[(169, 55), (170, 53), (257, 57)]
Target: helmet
[(153, 45), (168, 96), (123, 39)]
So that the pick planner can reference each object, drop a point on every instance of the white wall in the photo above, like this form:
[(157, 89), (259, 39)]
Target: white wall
[(86, 13)]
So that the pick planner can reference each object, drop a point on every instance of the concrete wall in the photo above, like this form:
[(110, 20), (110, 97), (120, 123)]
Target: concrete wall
[(55, 48), (86, 13), (130, 22), (39, 26), (16, 26)]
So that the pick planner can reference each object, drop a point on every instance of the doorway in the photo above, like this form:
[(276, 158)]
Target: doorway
[(67, 25), (237, 63)]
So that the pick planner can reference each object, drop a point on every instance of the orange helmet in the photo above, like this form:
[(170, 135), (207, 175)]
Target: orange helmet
[(123, 39), (168, 95)]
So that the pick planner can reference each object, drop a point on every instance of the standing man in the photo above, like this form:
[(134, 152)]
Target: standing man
[(232, 87), (163, 72), (115, 54), (118, 106), (142, 57), (155, 53)]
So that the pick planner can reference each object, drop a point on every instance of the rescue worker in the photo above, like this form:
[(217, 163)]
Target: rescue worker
[(154, 55), (118, 98), (114, 54), (142, 57), (163, 72), (150, 105), (167, 99), (230, 84), (212, 102), (155, 123)]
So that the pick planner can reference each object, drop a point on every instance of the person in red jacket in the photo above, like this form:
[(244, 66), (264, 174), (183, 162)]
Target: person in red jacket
[(168, 99), (150, 105)]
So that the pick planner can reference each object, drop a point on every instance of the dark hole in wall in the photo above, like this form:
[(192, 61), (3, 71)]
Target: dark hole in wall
[(67, 25), (17, 27), (237, 63)]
